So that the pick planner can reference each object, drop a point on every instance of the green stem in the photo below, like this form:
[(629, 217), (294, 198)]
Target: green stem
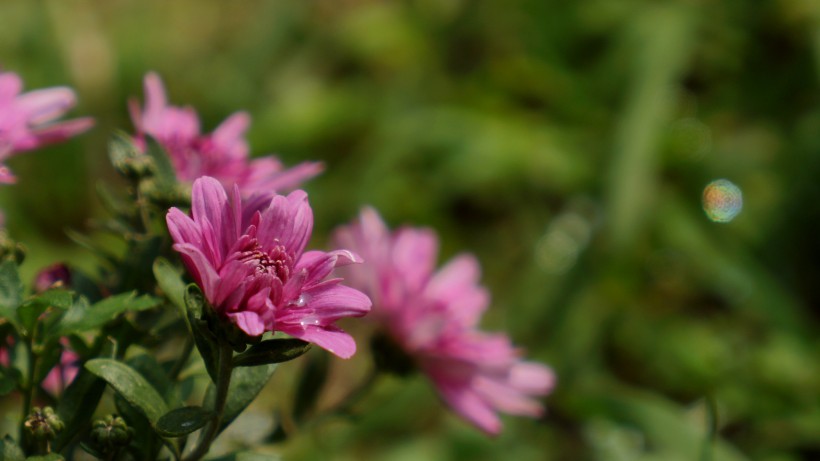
[(223, 382), (28, 391)]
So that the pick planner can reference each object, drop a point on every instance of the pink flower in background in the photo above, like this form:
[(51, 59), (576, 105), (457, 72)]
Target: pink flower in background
[(222, 154), (60, 376), (55, 276), (248, 257), (26, 119), (64, 372), (433, 317)]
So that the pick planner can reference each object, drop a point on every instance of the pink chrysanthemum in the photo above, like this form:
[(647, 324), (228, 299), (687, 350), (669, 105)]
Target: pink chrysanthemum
[(433, 317), (248, 257), (26, 119), (222, 154)]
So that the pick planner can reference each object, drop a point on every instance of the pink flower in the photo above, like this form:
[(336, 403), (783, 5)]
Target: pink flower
[(433, 317), (222, 154), (25, 119), (248, 257), (55, 276), (64, 372), (59, 377)]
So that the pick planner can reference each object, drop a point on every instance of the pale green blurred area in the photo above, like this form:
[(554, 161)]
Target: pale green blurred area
[(566, 144)]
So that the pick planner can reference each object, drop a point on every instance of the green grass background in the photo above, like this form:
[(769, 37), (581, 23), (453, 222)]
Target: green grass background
[(566, 144)]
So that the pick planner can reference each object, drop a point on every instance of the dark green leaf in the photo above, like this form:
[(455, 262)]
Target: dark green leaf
[(182, 421), (131, 385), (8, 382), (246, 383), (271, 351), (171, 283), (11, 290), (152, 371), (10, 451), (82, 317), (205, 342), (80, 399)]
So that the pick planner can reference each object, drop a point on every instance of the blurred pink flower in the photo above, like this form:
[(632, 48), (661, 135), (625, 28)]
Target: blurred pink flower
[(222, 154), (26, 119), (64, 372), (60, 376), (54, 276), (433, 317), (248, 257)]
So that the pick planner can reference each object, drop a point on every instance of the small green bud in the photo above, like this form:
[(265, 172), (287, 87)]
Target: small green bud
[(111, 433), (42, 426)]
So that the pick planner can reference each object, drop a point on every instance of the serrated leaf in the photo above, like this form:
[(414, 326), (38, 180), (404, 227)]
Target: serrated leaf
[(131, 385), (11, 290), (82, 317), (182, 421), (246, 383), (271, 351)]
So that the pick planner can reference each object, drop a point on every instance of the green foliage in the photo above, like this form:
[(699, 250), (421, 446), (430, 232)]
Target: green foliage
[(182, 421), (131, 385), (271, 351), (567, 144)]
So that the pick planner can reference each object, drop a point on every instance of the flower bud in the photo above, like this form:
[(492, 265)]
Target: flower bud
[(43, 425), (111, 433)]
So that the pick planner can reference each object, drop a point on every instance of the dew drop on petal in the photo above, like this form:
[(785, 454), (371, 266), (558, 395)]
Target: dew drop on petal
[(301, 301), (722, 200)]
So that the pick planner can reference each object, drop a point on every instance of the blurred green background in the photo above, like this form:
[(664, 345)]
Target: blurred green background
[(566, 144)]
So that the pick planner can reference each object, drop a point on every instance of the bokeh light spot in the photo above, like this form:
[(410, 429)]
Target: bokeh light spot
[(722, 200)]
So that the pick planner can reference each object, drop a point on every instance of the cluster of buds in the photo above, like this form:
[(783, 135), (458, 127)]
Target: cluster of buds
[(42, 426), (111, 433)]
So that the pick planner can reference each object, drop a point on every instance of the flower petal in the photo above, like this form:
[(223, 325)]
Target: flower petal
[(330, 338)]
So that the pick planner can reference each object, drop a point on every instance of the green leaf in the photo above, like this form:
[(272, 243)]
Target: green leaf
[(80, 399), (205, 342), (182, 421), (10, 451), (271, 351), (11, 290), (59, 298), (151, 370), (131, 385), (164, 170), (171, 283), (82, 317), (246, 383)]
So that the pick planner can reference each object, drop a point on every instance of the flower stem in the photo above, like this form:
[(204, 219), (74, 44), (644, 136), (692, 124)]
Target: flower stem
[(223, 382)]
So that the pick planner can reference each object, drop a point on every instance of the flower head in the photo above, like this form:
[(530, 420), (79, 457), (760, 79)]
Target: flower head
[(222, 154), (433, 318), (26, 119), (249, 258)]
